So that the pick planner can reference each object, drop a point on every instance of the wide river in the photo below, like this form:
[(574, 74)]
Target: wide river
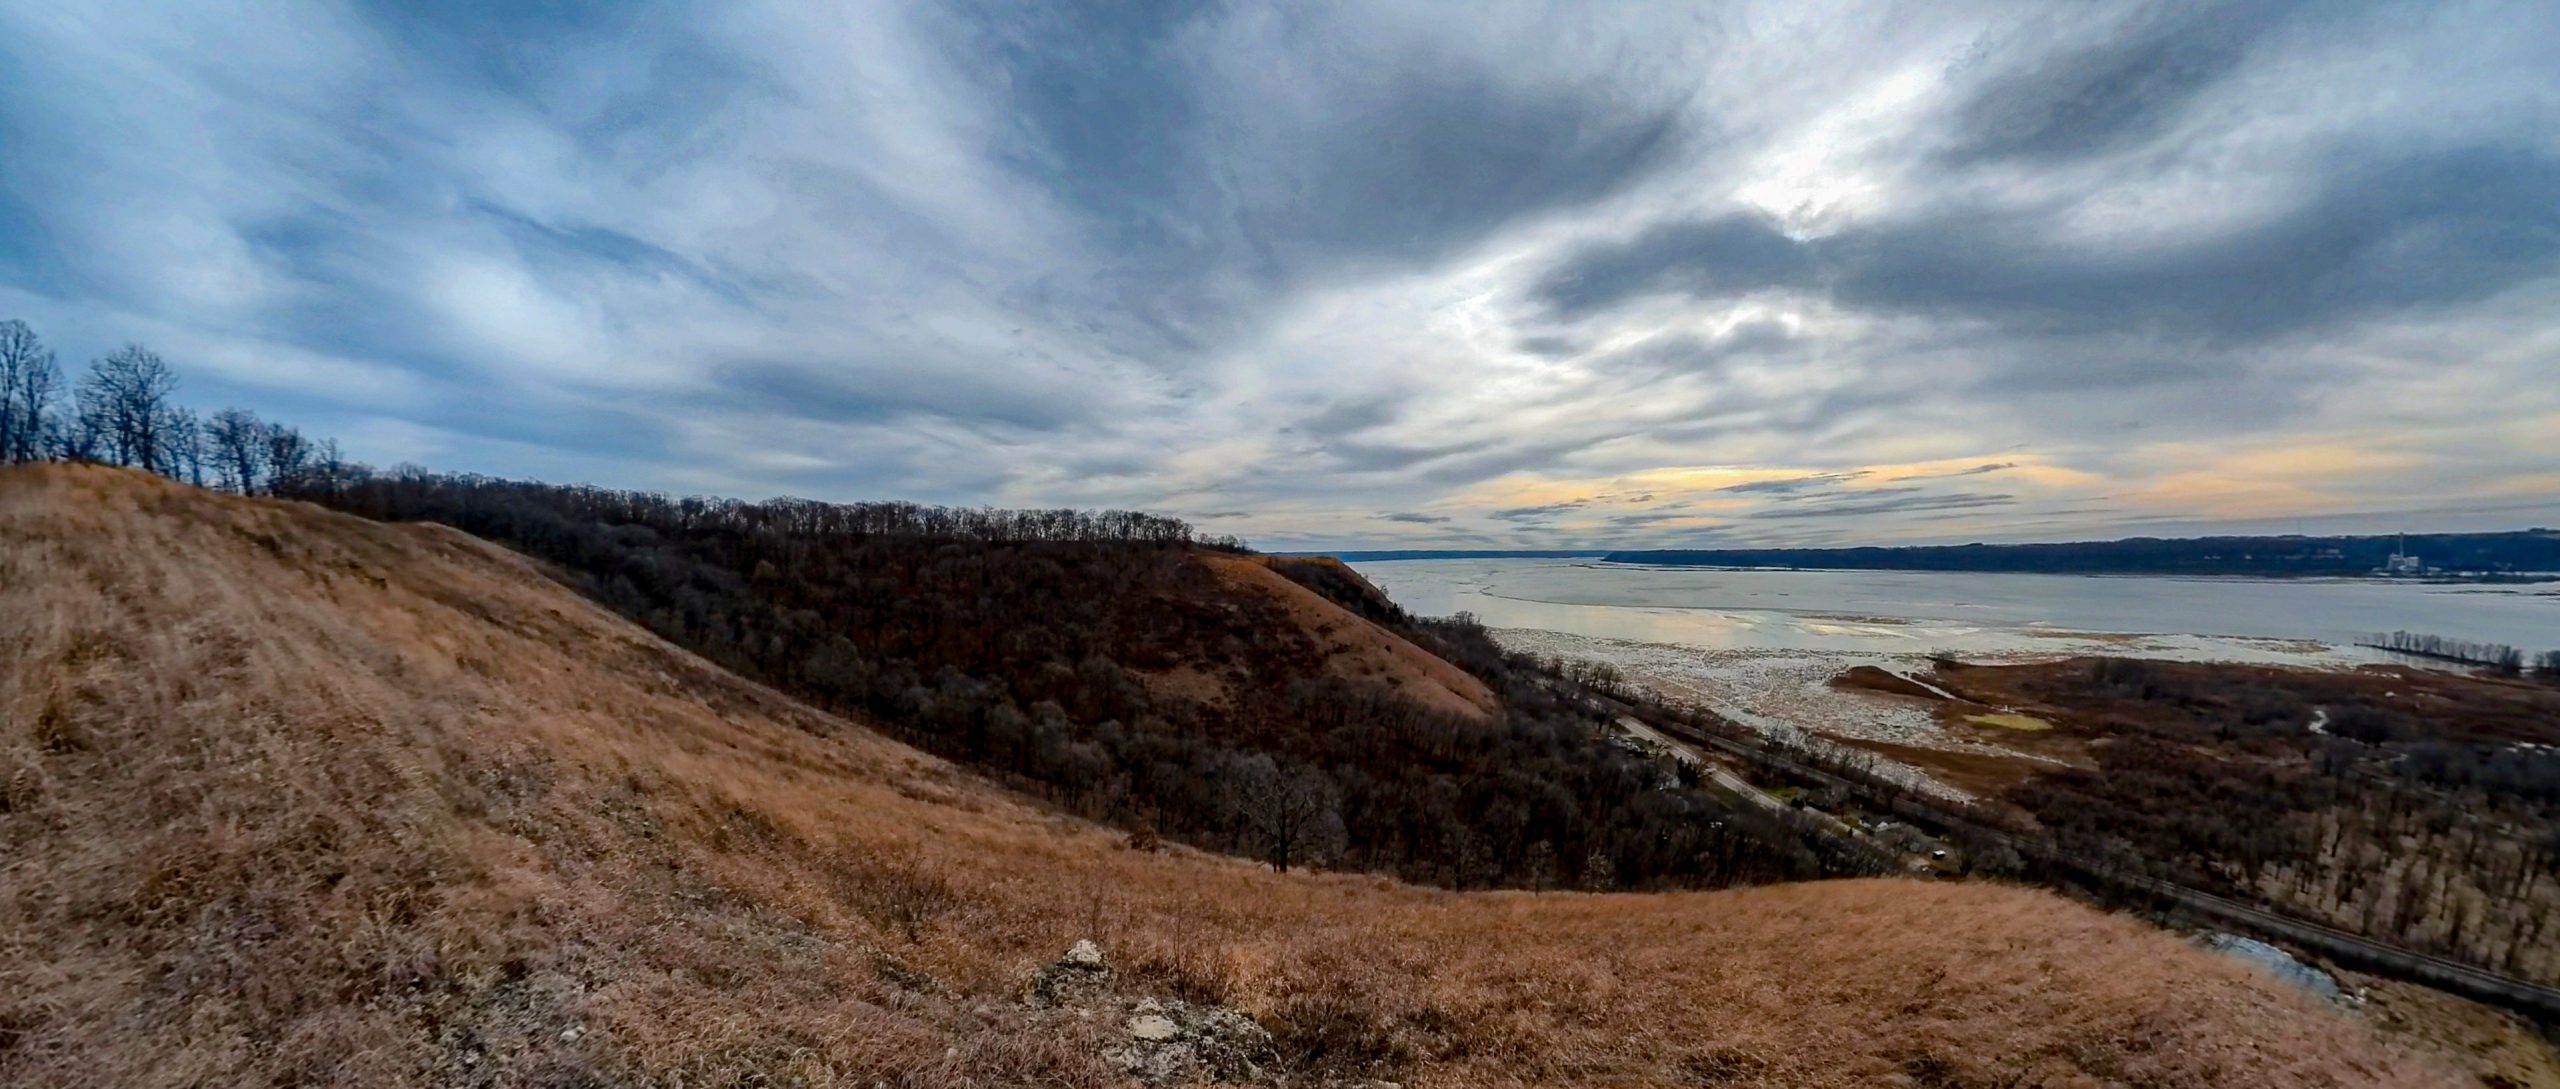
[(1908, 612)]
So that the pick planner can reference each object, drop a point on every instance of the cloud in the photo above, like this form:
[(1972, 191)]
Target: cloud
[(2382, 233), (2090, 99), (1545, 272), (1727, 255), (1792, 485), (1897, 505), (1977, 470), (1539, 513)]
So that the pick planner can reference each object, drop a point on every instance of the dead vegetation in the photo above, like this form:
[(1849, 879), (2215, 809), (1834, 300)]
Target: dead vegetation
[(1355, 649), (295, 798), (2419, 807)]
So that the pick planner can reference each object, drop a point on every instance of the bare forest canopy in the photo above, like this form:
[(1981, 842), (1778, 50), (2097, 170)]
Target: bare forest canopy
[(1069, 667), (1088, 658), (2415, 807), (2534, 551)]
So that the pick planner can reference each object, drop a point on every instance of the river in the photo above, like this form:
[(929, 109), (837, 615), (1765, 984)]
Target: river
[(1761, 647), (1893, 611)]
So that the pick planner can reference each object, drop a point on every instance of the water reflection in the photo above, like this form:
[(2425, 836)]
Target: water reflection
[(1906, 612)]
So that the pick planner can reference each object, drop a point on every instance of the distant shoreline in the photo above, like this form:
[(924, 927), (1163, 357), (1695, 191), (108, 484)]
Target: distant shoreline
[(2509, 558)]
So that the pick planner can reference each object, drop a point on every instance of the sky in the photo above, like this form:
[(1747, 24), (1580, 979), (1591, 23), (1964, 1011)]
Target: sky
[(1394, 274)]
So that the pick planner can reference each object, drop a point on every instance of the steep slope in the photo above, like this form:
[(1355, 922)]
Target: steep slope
[(294, 798), (1102, 662), (1352, 647)]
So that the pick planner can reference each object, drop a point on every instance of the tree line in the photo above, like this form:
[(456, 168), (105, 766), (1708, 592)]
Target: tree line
[(122, 411), (2504, 660)]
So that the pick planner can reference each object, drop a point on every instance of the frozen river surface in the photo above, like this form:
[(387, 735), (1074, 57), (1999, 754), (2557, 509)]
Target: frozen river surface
[(1762, 646), (1915, 612)]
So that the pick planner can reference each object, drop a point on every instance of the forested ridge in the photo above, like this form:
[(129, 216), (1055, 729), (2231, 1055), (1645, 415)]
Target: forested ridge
[(1023, 643)]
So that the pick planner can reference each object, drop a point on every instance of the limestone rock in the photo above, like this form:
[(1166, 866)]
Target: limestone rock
[(1079, 976), (1153, 1028)]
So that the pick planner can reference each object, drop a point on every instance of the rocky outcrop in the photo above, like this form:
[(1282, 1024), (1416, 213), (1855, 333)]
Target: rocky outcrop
[(1161, 1041), (1080, 976), (1171, 1042)]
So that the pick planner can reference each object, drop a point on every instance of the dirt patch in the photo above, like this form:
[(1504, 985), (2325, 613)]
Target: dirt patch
[(1867, 678), (1187, 683), (2011, 721), (1983, 773)]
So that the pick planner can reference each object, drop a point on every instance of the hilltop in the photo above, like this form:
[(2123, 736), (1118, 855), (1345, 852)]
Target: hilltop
[(1118, 666), (295, 797)]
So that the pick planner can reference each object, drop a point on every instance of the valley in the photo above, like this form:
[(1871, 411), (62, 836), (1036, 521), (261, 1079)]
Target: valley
[(296, 796)]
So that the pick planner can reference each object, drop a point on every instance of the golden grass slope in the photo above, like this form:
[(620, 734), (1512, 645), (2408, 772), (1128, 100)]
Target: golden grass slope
[(293, 798), (1353, 647)]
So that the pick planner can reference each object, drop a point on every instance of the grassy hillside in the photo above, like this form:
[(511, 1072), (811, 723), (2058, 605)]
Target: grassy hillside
[(1118, 667), (297, 798)]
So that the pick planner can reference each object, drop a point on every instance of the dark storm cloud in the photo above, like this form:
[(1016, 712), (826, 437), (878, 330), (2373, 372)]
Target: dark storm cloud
[(1453, 155), (1400, 158), (1701, 259), (1896, 505), (2121, 91), (2381, 234)]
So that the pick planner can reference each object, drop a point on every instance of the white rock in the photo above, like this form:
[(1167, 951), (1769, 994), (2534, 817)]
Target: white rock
[(1084, 954), (1152, 1028)]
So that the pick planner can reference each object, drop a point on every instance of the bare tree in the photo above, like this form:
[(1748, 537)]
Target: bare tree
[(27, 381), (236, 443), (288, 455), (127, 394), (1292, 815), (185, 442), (87, 433)]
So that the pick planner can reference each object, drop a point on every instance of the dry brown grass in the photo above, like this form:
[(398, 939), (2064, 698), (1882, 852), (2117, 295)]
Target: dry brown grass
[(1353, 647), (298, 799)]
